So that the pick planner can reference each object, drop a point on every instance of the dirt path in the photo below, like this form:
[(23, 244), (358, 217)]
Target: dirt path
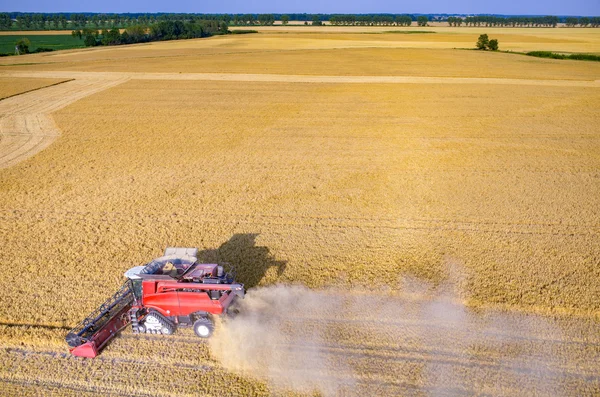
[(26, 126)]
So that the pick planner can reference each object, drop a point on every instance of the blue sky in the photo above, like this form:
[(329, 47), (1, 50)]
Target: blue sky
[(547, 7)]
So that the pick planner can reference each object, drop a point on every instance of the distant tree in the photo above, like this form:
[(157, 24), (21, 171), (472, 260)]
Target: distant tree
[(5, 21), (266, 19), (584, 21), (90, 37), (403, 20), (482, 42), (23, 45), (571, 21), (90, 41), (39, 21), (364, 20), (77, 34), (422, 20), (316, 21), (224, 28), (136, 33), (285, 19), (249, 19), (493, 45), (125, 39)]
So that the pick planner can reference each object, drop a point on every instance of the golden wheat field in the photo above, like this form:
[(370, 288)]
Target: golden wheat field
[(408, 218)]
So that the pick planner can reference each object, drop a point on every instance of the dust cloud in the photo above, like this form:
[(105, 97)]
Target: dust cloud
[(422, 341), (268, 341)]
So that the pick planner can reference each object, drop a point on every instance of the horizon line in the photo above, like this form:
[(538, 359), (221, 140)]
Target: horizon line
[(301, 13)]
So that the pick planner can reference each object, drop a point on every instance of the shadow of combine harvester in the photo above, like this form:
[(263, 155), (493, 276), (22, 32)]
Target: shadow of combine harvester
[(249, 261)]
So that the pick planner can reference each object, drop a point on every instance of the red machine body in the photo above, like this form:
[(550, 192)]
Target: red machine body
[(170, 291), (177, 299)]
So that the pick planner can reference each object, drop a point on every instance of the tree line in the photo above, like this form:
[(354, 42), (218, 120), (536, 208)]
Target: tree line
[(162, 30), (486, 20), (43, 21), (38, 21), (377, 20), (547, 21), (583, 22)]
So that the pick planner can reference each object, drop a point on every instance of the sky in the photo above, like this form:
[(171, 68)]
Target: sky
[(509, 7)]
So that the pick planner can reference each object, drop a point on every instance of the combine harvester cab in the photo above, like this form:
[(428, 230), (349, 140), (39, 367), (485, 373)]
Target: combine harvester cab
[(170, 291)]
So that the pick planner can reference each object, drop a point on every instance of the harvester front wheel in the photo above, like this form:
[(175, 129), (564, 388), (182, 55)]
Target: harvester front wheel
[(203, 327)]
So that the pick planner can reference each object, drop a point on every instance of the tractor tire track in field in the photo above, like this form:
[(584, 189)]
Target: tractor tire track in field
[(26, 126), (289, 221)]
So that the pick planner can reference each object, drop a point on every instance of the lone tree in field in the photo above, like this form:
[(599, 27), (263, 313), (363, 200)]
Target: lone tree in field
[(483, 42), (285, 19), (23, 46), (422, 20), (91, 37)]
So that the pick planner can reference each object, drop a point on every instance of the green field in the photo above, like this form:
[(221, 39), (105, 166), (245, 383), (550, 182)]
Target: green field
[(55, 42)]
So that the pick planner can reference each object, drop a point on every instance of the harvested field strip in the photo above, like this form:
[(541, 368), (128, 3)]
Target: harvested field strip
[(301, 78), (10, 87), (38, 88), (26, 126)]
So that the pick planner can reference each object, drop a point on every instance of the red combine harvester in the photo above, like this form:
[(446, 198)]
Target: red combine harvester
[(170, 291)]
